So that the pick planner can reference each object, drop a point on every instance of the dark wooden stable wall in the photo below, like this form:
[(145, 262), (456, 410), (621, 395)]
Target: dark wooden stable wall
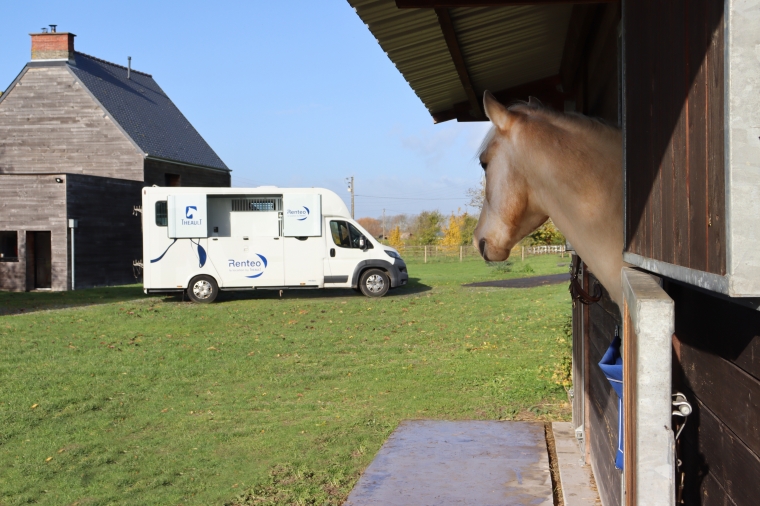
[(717, 366), (675, 192), (594, 74), (601, 402)]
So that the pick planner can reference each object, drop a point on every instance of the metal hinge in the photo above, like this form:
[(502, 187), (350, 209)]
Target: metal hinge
[(136, 210)]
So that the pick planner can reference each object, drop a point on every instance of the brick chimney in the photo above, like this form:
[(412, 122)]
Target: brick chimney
[(52, 45)]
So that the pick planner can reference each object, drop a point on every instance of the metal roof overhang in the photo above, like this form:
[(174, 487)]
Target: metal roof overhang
[(450, 52)]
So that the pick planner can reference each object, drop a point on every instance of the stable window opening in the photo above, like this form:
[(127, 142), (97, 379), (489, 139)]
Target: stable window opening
[(9, 246)]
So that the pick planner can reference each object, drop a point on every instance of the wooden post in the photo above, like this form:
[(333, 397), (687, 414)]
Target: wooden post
[(522, 253), (425, 254), (461, 248)]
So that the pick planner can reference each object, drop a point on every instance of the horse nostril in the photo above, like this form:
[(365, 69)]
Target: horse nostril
[(482, 246)]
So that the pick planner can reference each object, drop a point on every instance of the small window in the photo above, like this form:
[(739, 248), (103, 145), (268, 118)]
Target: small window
[(162, 215), (9, 246), (172, 180)]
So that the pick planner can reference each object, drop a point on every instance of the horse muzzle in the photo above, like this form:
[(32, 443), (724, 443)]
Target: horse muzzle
[(489, 255)]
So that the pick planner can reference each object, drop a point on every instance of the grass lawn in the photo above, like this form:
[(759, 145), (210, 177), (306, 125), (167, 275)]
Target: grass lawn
[(121, 398)]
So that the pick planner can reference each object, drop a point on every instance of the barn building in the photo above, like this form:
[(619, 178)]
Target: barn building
[(79, 138), (681, 79)]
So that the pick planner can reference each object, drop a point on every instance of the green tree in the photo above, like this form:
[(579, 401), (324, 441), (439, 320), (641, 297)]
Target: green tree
[(426, 227)]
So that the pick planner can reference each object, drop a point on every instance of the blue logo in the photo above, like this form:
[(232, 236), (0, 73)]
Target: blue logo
[(253, 266), (188, 214), (298, 212)]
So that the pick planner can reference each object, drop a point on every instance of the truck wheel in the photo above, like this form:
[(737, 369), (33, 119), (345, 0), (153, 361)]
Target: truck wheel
[(202, 289), (374, 283)]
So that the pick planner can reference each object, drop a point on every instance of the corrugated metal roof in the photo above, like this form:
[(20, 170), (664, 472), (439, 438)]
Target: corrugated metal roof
[(502, 46)]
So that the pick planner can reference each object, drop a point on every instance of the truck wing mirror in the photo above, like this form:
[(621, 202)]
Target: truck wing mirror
[(362, 242)]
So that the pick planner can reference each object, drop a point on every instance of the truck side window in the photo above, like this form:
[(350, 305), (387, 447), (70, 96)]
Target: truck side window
[(355, 235), (346, 235), (162, 215), (340, 234)]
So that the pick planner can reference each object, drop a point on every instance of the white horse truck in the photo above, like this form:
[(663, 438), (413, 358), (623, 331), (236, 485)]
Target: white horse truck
[(202, 240)]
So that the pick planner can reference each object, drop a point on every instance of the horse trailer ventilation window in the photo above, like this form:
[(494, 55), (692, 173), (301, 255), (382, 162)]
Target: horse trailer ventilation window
[(9, 246), (257, 204), (162, 215)]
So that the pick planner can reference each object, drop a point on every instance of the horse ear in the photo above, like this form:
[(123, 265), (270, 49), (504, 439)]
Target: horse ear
[(533, 101), (496, 112)]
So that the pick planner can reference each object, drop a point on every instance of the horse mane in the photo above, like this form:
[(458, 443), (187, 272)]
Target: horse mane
[(571, 119)]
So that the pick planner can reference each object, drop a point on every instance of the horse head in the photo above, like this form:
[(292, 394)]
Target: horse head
[(510, 211), (541, 163)]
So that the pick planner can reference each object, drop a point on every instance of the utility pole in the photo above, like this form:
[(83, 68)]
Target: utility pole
[(384, 224), (350, 181)]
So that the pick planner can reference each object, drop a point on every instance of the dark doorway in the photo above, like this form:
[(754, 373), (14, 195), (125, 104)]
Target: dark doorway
[(172, 179), (38, 260)]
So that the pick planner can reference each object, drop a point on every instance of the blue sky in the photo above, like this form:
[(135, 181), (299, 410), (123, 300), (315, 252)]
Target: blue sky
[(288, 93)]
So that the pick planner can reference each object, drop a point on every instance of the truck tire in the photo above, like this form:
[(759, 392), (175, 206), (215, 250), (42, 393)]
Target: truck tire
[(202, 289), (374, 283)]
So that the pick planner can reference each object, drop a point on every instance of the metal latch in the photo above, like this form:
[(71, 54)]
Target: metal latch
[(136, 210), (682, 409)]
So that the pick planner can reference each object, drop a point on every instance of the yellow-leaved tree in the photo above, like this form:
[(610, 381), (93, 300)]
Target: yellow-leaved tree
[(452, 232), (395, 240)]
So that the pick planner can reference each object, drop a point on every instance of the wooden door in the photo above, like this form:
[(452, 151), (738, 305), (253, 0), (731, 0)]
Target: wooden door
[(42, 260)]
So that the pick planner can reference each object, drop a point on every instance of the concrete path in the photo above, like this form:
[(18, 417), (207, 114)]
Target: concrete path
[(577, 487), (549, 279), (426, 462)]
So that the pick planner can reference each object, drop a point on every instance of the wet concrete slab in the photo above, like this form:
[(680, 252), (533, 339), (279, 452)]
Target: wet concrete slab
[(431, 462), (549, 279)]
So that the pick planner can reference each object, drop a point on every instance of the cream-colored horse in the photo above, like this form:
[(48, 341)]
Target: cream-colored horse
[(539, 164)]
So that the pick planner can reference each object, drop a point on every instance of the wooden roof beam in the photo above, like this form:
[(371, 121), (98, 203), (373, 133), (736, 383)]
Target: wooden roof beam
[(451, 4), (449, 34)]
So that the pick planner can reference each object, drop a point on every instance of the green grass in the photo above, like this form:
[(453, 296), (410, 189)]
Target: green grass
[(258, 399)]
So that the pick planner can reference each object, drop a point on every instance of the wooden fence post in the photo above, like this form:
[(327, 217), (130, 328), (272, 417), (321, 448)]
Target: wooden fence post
[(522, 253), (460, 252), (425, 254)]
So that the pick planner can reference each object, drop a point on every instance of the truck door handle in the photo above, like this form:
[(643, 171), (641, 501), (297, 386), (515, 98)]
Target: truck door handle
[(332, 252)]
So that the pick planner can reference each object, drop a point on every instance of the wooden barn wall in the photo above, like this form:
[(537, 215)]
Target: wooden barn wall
[(602, 432), (28, 204), (108, 237), (49, 123), (155, 174), (717, 366), (675, 191), (600, 89)]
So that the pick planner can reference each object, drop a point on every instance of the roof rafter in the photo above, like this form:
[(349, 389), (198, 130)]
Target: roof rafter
[(450, 4), (449, 34)]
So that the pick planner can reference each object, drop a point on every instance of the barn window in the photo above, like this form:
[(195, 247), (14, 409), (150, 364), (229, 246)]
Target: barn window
[(9, 246), (172, 180), (162, 215)]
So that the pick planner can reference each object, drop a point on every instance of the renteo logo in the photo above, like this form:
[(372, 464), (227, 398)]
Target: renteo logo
[(255, 266), (298, 212), (189, 215)]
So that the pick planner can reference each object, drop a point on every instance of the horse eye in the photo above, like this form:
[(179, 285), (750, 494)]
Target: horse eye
[(484, 165)]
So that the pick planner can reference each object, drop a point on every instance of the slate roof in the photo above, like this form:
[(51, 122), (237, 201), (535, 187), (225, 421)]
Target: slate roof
[(145, 112)]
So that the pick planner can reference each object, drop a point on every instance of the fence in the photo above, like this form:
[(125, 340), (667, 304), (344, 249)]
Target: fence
[(448, 253)]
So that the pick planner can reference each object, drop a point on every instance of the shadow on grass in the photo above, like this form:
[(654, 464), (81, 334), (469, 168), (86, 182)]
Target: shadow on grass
[(29, 302), (413, 287)]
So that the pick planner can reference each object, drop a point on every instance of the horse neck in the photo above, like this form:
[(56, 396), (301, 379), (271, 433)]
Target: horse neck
[(580, 188)]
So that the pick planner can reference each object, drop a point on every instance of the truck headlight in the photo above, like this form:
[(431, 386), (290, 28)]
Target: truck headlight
[(392, 254)]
